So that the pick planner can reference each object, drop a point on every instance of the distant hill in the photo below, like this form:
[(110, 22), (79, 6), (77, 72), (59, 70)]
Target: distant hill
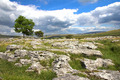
[(7, 36), (90, 34), (94, 32)]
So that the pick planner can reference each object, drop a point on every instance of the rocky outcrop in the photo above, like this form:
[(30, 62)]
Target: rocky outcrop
[(102, 38), (25, 61), (3, 55), (41, 55), (114, 41), (70, 77), (87, 52), (35, 67), (20, 53), (94, 64), (61, 65), (8, 56), (107, 74), (13, 47)]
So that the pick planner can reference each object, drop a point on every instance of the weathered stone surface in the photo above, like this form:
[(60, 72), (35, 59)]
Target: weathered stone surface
[(70, 77), (41, 55), (61, 65), (87, 52), (107, 74), (3, 55), (36, 66), (13, 47), (47, 55), (94, 64), (11, 58), (8, 56), (20, 53), (115, 41), (25, 61), (101, 38), (18, 64), (87, 45), (69, 44), (35, 42)]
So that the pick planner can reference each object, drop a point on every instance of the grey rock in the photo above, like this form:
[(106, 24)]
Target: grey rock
[(70, 77), (18, 64), (115, 41), (25, 61), (8, 56), (35, 42), (36, 66), (87, 45), (107, 74), (3, 55), (94, 64), (11, 58), (61, 65), (13, 47), (20, 53), (46, 55), (41, 55), (87, 52)]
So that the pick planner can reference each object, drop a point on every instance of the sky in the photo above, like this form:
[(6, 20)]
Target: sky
[(61, 16)]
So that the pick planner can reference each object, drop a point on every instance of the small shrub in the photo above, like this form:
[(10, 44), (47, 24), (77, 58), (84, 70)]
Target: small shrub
[(69, 36)]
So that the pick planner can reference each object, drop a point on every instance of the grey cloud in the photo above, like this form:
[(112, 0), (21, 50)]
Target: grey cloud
[(55, 24), (51, 24)]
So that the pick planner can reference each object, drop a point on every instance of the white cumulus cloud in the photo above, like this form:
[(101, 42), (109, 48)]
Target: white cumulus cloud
[(58, 21)]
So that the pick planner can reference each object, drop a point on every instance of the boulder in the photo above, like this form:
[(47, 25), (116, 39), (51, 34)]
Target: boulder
[(107, 74), (18, 64), (46, 55), (61, 65), (41, 55), (8, 56), (25, 61), (11, 58), (20, 53), (87, 52), (70, 77), (87, 45), (13, 47), (115, 41), (3, 55), (94, 64), (36, 43), (36, 66)]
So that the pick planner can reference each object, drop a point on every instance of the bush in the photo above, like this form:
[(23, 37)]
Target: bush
[(69, 36)]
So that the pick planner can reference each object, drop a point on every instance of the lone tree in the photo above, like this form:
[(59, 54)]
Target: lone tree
[(24, 25), (39, 33)]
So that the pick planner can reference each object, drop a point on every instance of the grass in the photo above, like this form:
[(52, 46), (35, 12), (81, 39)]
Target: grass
[(79, 36), (10, 72), (59, 52), (111, 51), (80, 74), (47, 62), (3, 48), (75, 63)]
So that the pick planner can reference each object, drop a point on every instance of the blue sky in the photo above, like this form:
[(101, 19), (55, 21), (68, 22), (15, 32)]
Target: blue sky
[(61, 16), (68, 4)]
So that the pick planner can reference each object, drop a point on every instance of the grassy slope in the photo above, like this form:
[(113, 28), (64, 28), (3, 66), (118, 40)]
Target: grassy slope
[(110, 51), (10, 72), (108, 33)]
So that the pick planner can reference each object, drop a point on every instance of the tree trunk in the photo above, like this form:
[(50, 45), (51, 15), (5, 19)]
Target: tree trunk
[(23, 35)]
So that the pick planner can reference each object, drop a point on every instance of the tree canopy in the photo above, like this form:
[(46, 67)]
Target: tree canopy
[(24, 25), (39, 33)]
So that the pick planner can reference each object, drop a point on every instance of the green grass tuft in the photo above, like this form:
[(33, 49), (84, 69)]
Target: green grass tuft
[(10, 72)]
